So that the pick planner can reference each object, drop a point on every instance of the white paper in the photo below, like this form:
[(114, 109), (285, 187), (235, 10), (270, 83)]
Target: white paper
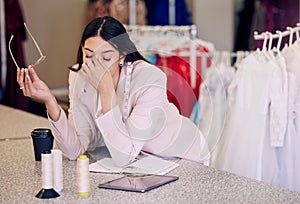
[(146, 165)]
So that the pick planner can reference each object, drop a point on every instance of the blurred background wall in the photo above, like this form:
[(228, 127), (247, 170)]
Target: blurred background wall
[(215, 22), (57, 26)]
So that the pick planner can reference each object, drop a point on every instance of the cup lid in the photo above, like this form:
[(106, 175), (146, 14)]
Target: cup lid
[(42, 132)]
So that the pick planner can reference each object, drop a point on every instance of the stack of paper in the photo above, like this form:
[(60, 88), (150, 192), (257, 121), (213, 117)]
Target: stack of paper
[(146, 165)]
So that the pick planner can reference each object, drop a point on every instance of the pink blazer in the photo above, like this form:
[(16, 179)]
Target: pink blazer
[(154, 125)]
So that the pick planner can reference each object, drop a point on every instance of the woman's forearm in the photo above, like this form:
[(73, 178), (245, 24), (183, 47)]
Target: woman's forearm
[(108, 101), (53, 108)]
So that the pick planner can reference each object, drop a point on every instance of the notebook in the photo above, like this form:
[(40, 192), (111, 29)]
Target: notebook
[(148, 164)]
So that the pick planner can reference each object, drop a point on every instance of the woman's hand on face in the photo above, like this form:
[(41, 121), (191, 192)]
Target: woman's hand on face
[(97, 74), (32, 86)]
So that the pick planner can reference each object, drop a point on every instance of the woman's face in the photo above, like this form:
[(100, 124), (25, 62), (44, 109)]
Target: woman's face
[(107, 55)]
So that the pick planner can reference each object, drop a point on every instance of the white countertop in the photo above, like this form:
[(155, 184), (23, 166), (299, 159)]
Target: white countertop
[(21, 176)]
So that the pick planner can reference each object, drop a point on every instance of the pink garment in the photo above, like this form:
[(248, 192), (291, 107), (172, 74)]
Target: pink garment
[(154, 125)]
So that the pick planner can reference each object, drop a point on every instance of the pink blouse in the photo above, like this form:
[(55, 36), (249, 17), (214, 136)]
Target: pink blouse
[(154, 125)]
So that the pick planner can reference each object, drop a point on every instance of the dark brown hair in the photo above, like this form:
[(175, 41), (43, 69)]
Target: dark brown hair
[(112, 31)]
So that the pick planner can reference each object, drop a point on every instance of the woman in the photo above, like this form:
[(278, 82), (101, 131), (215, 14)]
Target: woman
[(118, 99)]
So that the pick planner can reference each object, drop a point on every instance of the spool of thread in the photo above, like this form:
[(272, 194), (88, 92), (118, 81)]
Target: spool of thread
[(47, 170), (83, 176), (57, 169), (47, 190)]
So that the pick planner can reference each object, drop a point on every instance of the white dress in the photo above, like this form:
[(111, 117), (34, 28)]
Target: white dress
[(291, 55), (213, 103), (288, 155), (256, 122)]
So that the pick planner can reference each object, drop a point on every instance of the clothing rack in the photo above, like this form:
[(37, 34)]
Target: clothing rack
[(227, 57), (187, 31), (191, 32), (278, 35)]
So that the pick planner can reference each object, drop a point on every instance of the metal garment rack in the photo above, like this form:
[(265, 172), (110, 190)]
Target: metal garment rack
[(290, 31), (190, 31)]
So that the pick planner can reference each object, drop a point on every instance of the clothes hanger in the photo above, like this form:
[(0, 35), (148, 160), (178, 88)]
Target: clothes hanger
[(255, 36), (269, 53), (270, 41), (263, 52), (297, 29), (297, 33), (226, 58), (291, 35), (279, 41), (240, 55), (264, 46)]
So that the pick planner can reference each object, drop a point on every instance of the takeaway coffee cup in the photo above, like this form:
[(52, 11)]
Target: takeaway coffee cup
[(42, 139)]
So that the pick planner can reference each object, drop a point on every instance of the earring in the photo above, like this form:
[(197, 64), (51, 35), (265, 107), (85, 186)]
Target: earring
[(121, 64)]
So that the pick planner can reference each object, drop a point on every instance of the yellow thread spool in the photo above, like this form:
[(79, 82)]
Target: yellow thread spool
[(83, 177)]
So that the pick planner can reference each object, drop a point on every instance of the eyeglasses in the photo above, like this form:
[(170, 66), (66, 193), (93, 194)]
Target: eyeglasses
[(38, 61)]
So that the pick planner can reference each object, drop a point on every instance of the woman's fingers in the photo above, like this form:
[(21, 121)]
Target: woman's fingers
[(29, 77), (24, 77), (99, 63), (27, 83), (85, 68), (33, 75), (18, 75), (32, 86), (20, 78)]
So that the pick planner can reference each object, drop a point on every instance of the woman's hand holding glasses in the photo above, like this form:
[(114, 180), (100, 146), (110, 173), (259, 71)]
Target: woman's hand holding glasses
[(25, 75), (32, 86), (36, 89)]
